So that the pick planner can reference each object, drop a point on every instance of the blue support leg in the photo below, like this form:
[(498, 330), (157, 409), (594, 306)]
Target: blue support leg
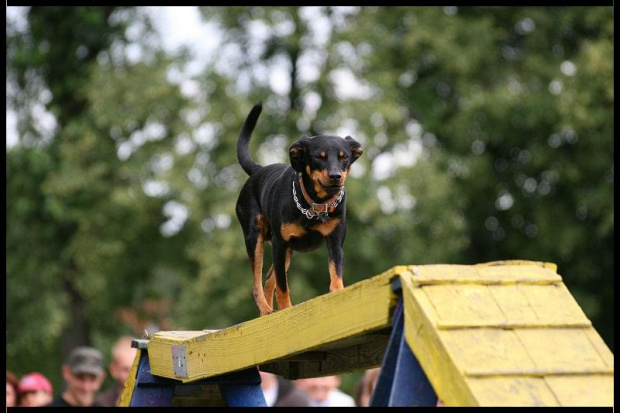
[(243, 395), (240, 388), (402, 381), (151, 390)]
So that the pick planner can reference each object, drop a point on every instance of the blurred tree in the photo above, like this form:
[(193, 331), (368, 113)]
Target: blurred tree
[(83, 234)]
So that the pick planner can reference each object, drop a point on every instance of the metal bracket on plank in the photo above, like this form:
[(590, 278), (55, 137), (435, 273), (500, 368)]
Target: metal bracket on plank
[(179, 361)]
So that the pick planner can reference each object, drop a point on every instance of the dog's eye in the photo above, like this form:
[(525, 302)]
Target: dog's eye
[(344, 158), (320, 156)]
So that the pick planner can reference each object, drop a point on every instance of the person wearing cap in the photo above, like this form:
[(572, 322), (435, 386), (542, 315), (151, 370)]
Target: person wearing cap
[(34, 390), (123, 356), (84, 373)]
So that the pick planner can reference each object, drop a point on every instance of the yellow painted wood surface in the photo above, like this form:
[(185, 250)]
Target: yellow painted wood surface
[(326, 320), (504, 334)]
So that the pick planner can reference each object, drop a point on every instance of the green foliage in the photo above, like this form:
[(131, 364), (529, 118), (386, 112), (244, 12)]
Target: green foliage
[(487, 135)]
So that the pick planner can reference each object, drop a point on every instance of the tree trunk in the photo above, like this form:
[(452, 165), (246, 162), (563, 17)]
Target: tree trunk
[(77, 331)]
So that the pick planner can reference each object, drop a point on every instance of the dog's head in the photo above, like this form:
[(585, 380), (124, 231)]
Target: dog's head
[(325, 160)]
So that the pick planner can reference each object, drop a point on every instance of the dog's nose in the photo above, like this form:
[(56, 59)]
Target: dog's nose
[(335, 176)]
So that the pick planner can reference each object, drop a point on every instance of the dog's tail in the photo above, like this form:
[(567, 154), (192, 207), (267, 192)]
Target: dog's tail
[(243, 144)]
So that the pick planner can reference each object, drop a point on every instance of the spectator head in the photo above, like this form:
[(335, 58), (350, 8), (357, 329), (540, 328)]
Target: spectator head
[(11, 389), (35, 389), (84, 373), (318, 388), (366, 387), (123, 356)]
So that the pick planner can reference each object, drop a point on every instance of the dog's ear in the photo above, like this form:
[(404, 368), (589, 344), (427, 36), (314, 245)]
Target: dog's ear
[(356, 148), (297, 153)]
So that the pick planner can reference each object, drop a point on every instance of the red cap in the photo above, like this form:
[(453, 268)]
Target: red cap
[(34, 382)]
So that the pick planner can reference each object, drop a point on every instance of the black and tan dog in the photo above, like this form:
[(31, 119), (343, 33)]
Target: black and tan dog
[(295, 207)]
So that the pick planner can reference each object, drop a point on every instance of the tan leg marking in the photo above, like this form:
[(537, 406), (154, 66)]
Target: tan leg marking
[(283, 298), (257, 267), (270, 286), (335, 283)]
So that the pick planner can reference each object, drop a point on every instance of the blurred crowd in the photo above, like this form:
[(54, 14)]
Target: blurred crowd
[(84, 373)]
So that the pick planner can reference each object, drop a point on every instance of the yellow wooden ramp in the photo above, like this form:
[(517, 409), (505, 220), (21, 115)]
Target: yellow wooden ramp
[(498, 334)]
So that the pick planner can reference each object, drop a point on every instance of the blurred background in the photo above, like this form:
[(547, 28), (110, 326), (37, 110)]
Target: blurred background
[(487, 135)]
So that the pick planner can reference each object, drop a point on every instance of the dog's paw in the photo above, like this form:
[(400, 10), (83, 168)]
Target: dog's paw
[(336, 284), (267, 312)]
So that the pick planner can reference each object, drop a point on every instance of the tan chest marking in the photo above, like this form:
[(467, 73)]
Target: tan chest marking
[(291, 230), (326, 228), (295, 230)]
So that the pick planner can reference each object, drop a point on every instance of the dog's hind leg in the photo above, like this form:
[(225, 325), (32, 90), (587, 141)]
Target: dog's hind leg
[(270, 283), (254, 244)]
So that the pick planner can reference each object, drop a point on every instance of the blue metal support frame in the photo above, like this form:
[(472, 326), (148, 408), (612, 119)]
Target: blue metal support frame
[(238, 389), (402, 381)]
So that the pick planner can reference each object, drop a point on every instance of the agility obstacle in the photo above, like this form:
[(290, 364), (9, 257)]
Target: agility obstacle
[(505, 333)]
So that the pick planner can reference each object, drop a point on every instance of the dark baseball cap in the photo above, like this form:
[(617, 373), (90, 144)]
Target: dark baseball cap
[(86, 360)]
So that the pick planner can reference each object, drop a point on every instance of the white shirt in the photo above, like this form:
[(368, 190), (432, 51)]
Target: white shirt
[(336, 398), (271, 394)]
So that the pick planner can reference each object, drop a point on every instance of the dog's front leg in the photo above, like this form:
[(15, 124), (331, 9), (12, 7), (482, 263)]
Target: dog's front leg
[(335, 261), (281, 254)]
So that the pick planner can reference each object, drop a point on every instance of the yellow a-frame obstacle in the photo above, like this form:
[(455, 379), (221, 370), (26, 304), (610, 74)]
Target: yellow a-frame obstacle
[(497, 334)]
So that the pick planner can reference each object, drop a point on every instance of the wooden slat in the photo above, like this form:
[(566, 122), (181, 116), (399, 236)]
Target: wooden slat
[(560, 349), (486, 350), (512, 391), (467, 303), (510, 325), (358, 309), (594, 390), (503, 306), (516, 372), (543, 304), (597, 343), (503, 272), (535, 271)]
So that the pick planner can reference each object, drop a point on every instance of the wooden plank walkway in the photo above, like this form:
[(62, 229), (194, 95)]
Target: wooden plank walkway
[(341, 331), (498, 334)]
